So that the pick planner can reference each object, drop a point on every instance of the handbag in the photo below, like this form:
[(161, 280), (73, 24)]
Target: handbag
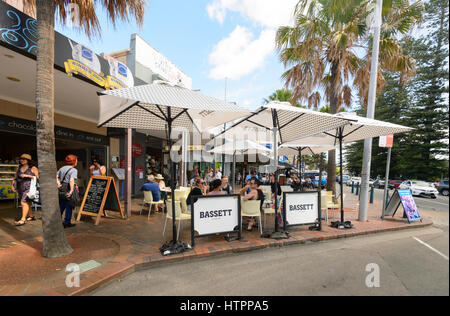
[(65, 188), (32, 193)]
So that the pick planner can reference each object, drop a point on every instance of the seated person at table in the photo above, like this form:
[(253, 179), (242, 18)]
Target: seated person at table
[(153, 187), (254, 194), (198, 190), (296, 185), (226, 187), (215, 188)]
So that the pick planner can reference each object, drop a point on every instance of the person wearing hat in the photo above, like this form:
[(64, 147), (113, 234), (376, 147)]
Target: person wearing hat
[(162, 186), (21, 184), (67, 174)]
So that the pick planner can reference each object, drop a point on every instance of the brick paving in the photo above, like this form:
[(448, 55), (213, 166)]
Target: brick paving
[(122, 246)]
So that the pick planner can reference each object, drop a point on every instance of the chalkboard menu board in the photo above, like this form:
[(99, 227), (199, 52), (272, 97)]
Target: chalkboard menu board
[(101, 195), (95, 195)]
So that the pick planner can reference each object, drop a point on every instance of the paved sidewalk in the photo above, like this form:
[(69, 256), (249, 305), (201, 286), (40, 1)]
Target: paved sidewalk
[(121, 246)]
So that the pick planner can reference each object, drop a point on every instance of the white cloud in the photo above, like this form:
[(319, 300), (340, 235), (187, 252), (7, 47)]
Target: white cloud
[(266, 13), (239, 54), (242, 52)]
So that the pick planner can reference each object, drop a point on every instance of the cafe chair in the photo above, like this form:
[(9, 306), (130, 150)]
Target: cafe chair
[(336, 206), (324, 205), (148, 200), (252, 208), (179, 215), (181, 196)]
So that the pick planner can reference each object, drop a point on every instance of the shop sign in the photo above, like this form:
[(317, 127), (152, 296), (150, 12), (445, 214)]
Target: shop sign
[(20, 126), (386, 141), (301, 208), (159, 64), (20, 31), (216, 215), (137, 150), (140, 170)]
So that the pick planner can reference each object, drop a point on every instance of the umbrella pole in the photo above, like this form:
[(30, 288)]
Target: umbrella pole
[(276, 234), (174, 246), (173, 176), (341, 173), (300, 167), (234, 172)]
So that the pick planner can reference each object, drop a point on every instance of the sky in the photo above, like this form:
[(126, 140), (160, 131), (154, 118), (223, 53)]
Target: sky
[(225, 46)]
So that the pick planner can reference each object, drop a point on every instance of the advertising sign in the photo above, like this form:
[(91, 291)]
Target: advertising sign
[(409, 205), (404, 198), (20, 31), (216, 215), (149, 57), (301, 208)]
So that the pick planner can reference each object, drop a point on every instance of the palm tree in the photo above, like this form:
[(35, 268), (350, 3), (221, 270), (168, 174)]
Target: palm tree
[(322, 52), (55, 243), (282, 95)]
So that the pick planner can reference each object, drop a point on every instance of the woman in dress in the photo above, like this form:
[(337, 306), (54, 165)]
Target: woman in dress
[(21, 184)]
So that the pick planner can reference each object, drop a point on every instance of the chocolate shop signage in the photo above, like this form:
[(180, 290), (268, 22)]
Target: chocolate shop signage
[(20, 126)]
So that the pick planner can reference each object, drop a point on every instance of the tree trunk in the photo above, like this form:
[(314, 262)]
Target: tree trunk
[(55, 243), (331, 168)]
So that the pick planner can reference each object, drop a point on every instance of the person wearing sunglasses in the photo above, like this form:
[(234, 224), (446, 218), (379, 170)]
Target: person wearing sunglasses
[(254, 193), (199, 189)]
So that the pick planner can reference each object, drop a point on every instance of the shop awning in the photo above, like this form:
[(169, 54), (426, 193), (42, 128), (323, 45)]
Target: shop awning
[(146, 107)]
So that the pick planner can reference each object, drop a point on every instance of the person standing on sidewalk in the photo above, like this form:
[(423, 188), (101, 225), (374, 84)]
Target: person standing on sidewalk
[(67, 175), (22, 182), (97, 169)]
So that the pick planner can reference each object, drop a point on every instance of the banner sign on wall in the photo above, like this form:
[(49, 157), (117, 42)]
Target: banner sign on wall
[(213, 215), (404, 198), (25, 127), (20, 31), (300, 208)]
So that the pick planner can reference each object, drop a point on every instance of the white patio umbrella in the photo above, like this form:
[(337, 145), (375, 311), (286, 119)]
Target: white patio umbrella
[(288, 123), (299, 150), (240, 146), (162, 107), (359, 128)]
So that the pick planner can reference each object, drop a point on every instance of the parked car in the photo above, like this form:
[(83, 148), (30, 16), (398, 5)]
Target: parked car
[(354, 180), (345, 179), (420, 188), (394, 184), (442, 187), (379, 184)]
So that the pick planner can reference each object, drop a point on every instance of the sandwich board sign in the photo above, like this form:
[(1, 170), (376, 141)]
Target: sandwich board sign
[(404, 198), (301, 208), (212, 215), (101, 196)]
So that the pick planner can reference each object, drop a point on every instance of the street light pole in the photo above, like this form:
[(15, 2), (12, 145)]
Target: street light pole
[(365, 174)]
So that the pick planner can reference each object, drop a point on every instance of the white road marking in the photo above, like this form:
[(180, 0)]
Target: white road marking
[(428, 246)]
